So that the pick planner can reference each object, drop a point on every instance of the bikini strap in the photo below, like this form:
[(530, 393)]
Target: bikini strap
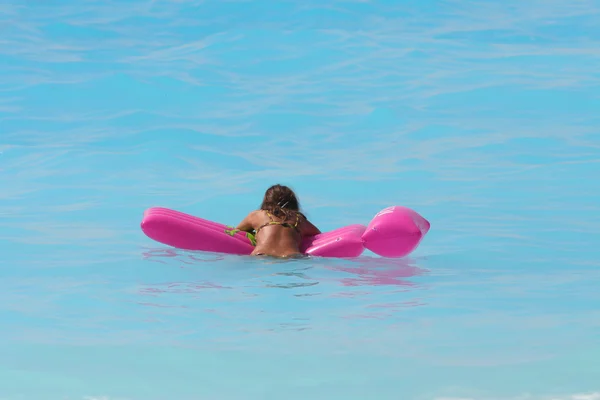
[(268, 223), (271, 222)]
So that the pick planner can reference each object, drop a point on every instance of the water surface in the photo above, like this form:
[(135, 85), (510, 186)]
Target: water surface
[(481, 116)]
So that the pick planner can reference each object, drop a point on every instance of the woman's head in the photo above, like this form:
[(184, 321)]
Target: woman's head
[(280, 198)]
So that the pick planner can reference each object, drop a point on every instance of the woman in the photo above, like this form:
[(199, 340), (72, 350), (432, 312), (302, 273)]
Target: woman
[(279, 224)]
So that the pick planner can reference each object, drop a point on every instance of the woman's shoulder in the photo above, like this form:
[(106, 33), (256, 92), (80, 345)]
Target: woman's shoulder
[(260, 214), (267, 214)]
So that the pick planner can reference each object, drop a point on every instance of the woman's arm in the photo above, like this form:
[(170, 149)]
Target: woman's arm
[(247, 224), (308, 229)]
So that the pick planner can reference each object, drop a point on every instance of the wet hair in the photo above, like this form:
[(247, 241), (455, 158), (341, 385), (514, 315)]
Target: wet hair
[(279, 200)]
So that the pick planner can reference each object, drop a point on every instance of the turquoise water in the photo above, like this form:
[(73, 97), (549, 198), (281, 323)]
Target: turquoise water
[(482, 116)]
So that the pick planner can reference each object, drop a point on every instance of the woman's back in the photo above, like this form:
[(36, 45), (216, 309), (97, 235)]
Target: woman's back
[(278, 225), (276, 236)]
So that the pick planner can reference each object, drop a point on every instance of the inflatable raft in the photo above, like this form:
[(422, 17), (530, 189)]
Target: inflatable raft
[(394, 232)]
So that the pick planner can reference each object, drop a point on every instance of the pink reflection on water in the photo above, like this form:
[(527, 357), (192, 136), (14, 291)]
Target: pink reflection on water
[(378, 271), (156, 255), (350, 295)]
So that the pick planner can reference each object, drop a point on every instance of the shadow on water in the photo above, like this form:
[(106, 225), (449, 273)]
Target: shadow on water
[(252, 295), (309, 271), (356, 288)]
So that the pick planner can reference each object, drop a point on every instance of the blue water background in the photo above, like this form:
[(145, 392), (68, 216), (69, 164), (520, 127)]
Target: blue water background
[(482, 116)]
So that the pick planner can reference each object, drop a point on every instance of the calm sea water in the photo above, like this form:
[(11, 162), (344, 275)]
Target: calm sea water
[(482, 116)]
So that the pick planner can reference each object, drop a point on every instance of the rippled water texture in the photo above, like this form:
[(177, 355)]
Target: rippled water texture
[(482, 116)]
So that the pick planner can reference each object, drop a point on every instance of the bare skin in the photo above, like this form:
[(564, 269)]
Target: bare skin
[(277, 240)]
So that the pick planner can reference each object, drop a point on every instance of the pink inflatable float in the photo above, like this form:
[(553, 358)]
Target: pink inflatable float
[(394, 232)]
